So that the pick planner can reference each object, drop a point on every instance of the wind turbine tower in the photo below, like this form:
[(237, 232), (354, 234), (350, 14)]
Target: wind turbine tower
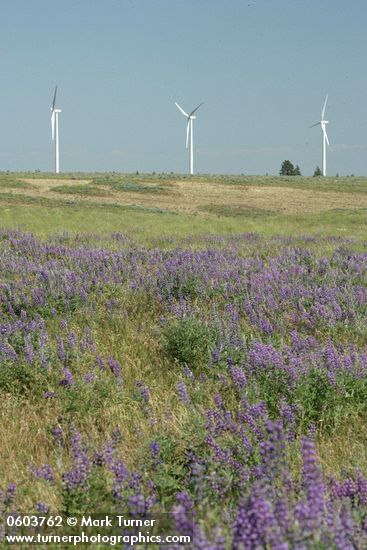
[(189, 135), (55, 131), (325, 139)]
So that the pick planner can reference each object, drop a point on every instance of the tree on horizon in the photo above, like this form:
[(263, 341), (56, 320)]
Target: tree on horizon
[(288, 169)]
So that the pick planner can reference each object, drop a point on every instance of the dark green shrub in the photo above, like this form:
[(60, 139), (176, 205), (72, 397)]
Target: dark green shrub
[(328, 405), (19, 378), (96, 495), (189, 341)]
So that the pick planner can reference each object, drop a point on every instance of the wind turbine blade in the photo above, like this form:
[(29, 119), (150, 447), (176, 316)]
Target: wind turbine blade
[(54, 100), (196, 108), (324, 107), (182, 111), (313, 125), (53, 125), (187, 133)]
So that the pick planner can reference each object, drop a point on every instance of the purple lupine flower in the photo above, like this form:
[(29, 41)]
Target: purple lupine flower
[(98, 458), (218, 401), (238, 377), (135, 481), (41, 507), (137, 505), (89, 377), (28, 350), (42, 341), (288, 412), (343, 530), (182, 392), (107, 453), (362, 489), (43, 472), (143, 391), (251, 422), (100, 363), (115, 367), (243, 530), (10, 494), (120, 471), (282, 515), (346, 488), (187, 372), (91, 342), (83, 295), (49, 394), (312, 480), (58, 435), (87, 341), (72, 340), (216, 355), (272, 448), (155, 449), (67, 378), (183, 514), (7, 351), (76, 477), (60, 349)]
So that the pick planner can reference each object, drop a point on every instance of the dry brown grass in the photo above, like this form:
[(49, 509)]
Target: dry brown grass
[(345, 450), (198, 196), (23, 436)]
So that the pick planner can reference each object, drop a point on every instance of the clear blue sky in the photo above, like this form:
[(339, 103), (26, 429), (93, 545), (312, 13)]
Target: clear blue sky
[(261, 67)]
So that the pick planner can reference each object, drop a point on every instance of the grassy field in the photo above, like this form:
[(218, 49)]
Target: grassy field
[(188, 345), (165, 205)]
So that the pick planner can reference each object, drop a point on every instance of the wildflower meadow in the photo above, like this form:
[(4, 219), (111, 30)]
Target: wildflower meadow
[(222, 378)]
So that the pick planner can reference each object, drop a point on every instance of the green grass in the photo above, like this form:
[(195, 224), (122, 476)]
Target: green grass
[(48, 216), (12, 183), (96, 190), (84, 190), (131, 186), (237, 211), (339, 184), (138, 188)]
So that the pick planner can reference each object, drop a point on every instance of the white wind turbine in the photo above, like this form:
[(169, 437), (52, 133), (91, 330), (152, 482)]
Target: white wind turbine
[(55, 131), (189, 134), (325, 139)]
